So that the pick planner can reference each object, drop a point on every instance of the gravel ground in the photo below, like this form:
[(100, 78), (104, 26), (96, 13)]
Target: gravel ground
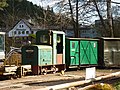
[(41, 81)]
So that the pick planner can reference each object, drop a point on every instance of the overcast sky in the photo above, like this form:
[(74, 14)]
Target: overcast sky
[(45, 3)]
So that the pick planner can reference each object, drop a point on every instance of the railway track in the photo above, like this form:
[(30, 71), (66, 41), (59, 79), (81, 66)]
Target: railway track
[(51, 81), (80, 85)]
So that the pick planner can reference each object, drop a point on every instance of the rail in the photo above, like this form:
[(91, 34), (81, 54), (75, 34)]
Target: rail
[(79, 83)]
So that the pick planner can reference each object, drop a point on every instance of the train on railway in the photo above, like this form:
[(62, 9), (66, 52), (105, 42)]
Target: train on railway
[(55, 52)]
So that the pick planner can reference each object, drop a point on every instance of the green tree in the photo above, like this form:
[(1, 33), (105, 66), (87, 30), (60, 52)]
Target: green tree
[(3, 4)]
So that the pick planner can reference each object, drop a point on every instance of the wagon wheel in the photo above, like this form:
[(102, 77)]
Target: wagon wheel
[(11, 77), (14, 76), (44, 71), (53, 69)]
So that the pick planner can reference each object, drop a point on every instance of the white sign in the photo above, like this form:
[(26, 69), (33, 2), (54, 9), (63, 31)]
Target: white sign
[(90, 73)]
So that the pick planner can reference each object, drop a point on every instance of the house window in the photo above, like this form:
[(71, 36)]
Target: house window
[(15, 32), (27, 32), (19, 32), (21, 26), (23, 32), (26, 38), (32, 32)]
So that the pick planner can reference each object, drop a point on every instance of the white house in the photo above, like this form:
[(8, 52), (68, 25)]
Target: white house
[(21, 29)]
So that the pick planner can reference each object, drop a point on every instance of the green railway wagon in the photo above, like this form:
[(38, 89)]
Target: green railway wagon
[(81, 52)]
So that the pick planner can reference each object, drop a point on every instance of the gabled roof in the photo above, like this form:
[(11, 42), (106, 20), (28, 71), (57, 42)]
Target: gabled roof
[(30, 25)]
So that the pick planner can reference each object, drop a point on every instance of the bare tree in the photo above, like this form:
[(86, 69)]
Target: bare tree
[(109, 17), (108, 29), (72, 17), (104, 32), (77, 24), (83, 11)]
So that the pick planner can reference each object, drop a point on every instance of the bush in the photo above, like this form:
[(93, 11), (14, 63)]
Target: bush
[(101, 86)]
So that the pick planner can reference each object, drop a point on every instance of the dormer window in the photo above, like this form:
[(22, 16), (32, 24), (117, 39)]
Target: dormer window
[(21, 26)]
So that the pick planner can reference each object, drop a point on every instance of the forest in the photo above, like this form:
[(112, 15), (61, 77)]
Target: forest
[(73, 13), (12, 11)]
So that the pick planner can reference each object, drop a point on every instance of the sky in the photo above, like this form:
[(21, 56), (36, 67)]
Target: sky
[(45, 3), (51, 3)]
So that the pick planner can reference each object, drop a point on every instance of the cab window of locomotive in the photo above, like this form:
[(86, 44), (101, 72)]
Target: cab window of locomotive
[(58, 39), (44, 39)]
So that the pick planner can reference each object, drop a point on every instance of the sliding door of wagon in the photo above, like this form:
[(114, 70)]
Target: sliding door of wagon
[(84, 52), (74, 52), (88, 52)]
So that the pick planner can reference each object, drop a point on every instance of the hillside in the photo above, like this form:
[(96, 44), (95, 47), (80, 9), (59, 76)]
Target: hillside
[(23, 9)]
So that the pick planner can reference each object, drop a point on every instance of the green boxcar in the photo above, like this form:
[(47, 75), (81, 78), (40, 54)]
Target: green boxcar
[(81, 51)]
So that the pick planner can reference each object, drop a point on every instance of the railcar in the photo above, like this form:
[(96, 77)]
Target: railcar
[(48, 55), (2, 46), (109, 52), (81, 52), (5, 70)]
